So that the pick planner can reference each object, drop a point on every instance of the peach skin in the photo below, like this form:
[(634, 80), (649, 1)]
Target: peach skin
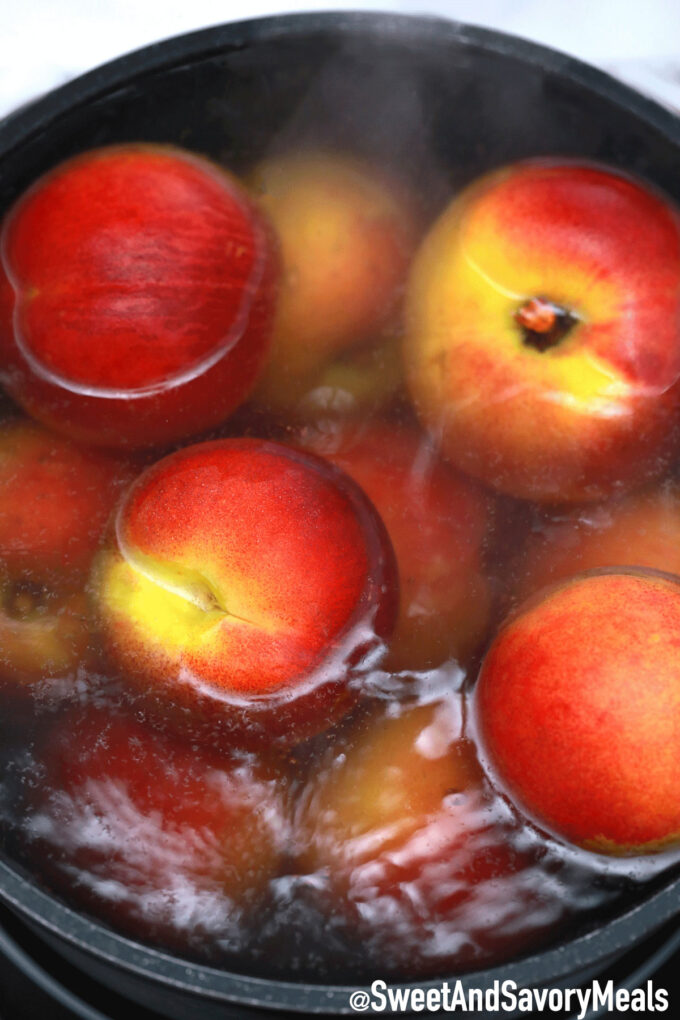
[(438, 521), (347, 233), (638, 530), (543, 344), (578, 707), (248, 588), (42, 635), (167, 842), (363, 383), (55, 500), (142, 286), (415, 855)]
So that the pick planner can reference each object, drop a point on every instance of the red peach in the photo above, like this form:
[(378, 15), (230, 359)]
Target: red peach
[(578, 706), (142, 281), (168, 842), (55, 499), (250, 582), (639, 530), (417, 858), (347, 233), (543, 345), (438, 521)]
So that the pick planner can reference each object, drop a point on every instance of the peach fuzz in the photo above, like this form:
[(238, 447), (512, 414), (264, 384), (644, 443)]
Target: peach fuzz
[(638, 530), (438, 521), (578, 707), (543, 346), (138, 296), (167, 841), (249, 583), (347, 233), (414, 855)]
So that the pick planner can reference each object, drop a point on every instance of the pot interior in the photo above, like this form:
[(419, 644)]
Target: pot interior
[(436, 102)]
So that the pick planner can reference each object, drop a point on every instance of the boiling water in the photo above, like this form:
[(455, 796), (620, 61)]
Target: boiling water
[(105, 807)]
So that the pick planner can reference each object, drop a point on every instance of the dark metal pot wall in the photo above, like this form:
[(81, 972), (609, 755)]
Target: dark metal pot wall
[(461, 100)]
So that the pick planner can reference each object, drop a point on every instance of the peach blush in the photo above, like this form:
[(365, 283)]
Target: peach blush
[(167, 842), (578, 707), (141, 290), (347, 234), (438, 521), (543, 347), (249, 583)]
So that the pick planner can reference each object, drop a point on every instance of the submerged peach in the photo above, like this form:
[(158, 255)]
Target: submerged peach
[(347, 233), (543, 344), (438, 521), (249, 583), (166, 841), (641, 529), (42, 634), (415, 856), (138, 296), (55, 500), (578, 705)]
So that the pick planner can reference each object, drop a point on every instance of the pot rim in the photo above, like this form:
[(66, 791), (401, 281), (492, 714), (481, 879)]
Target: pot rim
[(551, 966), (94, 939), (37, 114)]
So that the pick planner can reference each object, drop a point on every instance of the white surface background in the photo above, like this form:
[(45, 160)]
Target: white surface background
[(45, 42)]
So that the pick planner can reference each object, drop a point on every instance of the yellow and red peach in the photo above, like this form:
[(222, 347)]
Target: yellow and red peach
[(577, 706), (142, 291), (347, 233), (543, 346), (55, 499), (415, 856), (250, 583), (638, 530), (438, 521), (166, 841)]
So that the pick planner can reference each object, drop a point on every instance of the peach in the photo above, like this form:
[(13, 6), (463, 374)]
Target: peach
[(142, 291), (362, 383), (638, 530), (164, 841), (347, 233), (577, 706), (543, 346), (42, 635), (438, 521), (415, 855), (55, 500), (249, 583)]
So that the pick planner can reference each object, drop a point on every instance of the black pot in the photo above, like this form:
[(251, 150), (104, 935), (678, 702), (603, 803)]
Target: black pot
[(443, 102)]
